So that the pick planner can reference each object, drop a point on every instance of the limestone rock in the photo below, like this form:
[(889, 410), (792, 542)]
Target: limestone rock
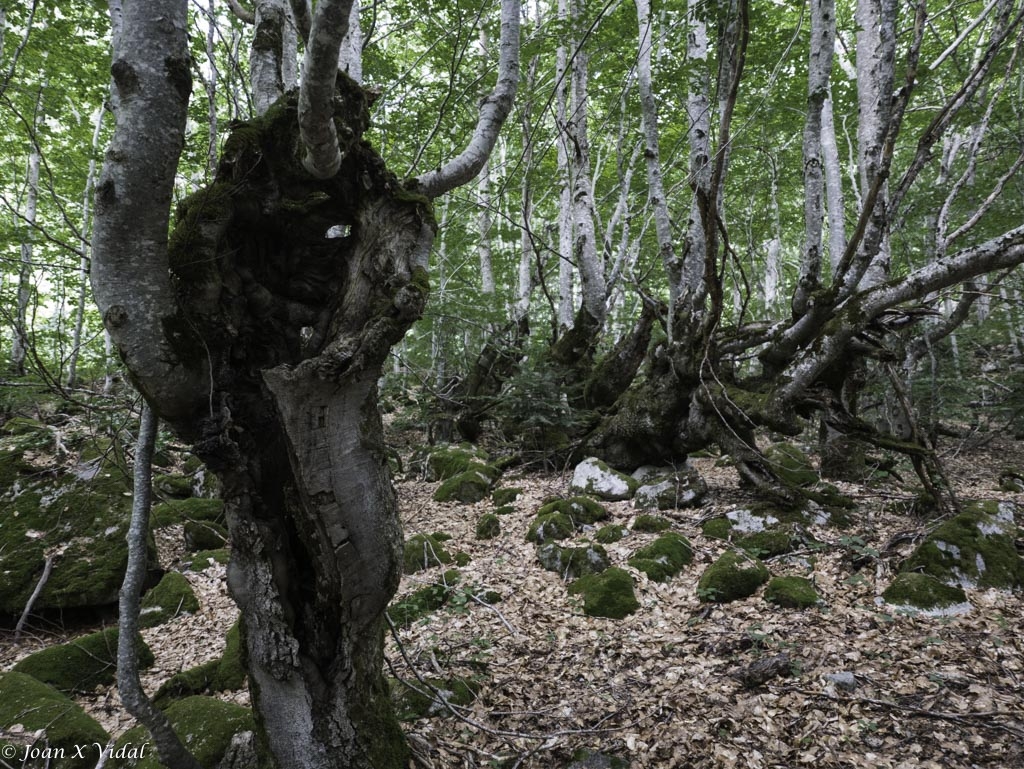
[(594, 477)]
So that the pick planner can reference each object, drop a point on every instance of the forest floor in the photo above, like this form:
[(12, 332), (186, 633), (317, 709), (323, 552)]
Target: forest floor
[(658, 688)]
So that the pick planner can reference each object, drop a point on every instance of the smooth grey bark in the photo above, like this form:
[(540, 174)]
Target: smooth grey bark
[(833, 186), (563, 84), (19, 337), (211, 89), (819, 71), (494, 109), (271, 58), (350, 56), (83, 266), (652, 154), (169, 747)]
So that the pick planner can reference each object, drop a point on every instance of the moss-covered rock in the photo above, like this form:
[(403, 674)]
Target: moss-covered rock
[(1011, 480), (733, 576), (670, 488), (204, 535), (664, 557), (412, 704), (173, 486), (717, 528), (594, 477), (608, 594), (584, 511), (468, 487), (651, 523), (573, 562), (80, 665), (504, 510), (86, 519), (914, 590), (791, 464), (973, 549), (446, 462), (610, 534), (424, 551), (205, 726), (172, 596), (204, 559), (33, 705), (181, 510), (506, 496), (549, 526), (768, 543), (585, 759), (488, 526), (791, 592)]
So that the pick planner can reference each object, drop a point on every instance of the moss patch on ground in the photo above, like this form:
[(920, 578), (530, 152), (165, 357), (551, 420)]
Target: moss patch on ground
[(226, 673), (35, 706), (488, 526), (506, 496), (733, 576), (608, 594), (610, 534), (80, 665), (204, 535), (204, 558), (922, 591), (651, 523), (424, 601), (422, 702), (182, 510)]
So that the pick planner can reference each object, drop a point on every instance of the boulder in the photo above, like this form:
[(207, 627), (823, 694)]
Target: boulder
[(594, 477), (733, 576), (583, 511), (974, 549), (791, 464), (573, 562), (27, 707), (172, 596), (80, 665), (548, 527), (225, 673), (670, 489), (664, 557), (423, 551), (608, 594), (488, 526), (472, 485), (913, 591), (791, 592)]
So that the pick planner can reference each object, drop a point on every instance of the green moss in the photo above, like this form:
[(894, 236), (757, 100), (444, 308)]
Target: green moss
[(204, 535), (608, 594), (504, 510), (549, 526), (583, 511), (922, 591), (23, 426), (424, 601), (205, 726), (717, 528), (175, 486), (172, 596), (982, 535), (791, 464), (771, 542), (422, 551), (447, 462), (230, 673), (651, 523), (791, 592), (573, 562), (468, 487), (733, 576), (506, 496), (664, 558), (181, 510), (488, 526), (226, 673), (80, 665), (1011, 480), (412, 704), (462, 559), (25, 700), (609, 534), (203, 559)]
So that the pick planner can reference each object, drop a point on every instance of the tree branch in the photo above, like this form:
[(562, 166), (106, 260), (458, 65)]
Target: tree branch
[(243, 13), (303, 19), (172, 752), (316, 97), (493, 112)]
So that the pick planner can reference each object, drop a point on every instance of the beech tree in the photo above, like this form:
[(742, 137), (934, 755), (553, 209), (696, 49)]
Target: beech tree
[(257, 332)]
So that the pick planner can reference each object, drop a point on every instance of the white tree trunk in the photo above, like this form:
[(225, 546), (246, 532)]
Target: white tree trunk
[(833, 186), (350, 57), (563, 82), (272, 57), (20, 340)]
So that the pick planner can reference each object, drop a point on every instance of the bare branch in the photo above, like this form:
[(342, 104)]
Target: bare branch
[(243, 13), (493, 111), (319, 74), (303, 19)]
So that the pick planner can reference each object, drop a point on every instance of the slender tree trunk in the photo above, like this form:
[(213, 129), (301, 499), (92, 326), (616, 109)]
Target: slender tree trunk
[(272, 59), (833, 186), (20, 337), (563, 83)]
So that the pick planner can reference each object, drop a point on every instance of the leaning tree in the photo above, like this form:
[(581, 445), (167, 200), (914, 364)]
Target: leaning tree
[(257, 331)]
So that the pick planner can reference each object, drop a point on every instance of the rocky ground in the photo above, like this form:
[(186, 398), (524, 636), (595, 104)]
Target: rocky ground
[(849, 682)]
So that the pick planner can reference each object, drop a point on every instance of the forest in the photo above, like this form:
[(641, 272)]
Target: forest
[(500, 383)]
